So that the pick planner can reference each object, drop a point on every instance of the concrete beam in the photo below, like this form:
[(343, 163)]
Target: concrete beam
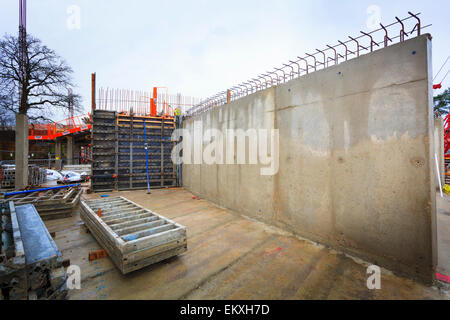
[(21, 174)]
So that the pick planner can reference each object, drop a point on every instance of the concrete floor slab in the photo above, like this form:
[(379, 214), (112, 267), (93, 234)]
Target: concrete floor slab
[(228, 257)]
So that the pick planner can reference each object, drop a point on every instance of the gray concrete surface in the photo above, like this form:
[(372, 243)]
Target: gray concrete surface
[(443, 228), (439, 148), (21, 153), (228, 257), (356, 159)]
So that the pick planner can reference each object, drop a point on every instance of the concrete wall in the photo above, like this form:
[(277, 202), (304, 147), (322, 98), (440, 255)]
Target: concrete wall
[(356, 158)]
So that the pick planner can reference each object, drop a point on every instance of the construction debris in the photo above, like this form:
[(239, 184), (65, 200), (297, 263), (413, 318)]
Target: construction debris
[(97, 254), (78, 168), (30, 265), (51, 203), (133, 236)]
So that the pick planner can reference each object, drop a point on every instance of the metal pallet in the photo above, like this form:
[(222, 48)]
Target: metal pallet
[(133, 236)]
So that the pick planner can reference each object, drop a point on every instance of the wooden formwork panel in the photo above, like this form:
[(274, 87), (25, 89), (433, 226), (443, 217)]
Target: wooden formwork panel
[(133, 236)]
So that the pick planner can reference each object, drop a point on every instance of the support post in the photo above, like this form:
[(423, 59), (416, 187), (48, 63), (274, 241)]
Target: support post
[(21, 171), (69, 150), (58, 152)]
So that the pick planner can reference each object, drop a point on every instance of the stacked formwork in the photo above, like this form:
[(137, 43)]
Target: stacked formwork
[(36, 176), (104, 153), (119, 154), (30, 262)]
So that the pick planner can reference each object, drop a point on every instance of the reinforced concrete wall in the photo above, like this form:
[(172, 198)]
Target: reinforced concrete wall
[(356, 158)]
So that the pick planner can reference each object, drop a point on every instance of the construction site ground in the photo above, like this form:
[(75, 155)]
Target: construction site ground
[(233, 257)]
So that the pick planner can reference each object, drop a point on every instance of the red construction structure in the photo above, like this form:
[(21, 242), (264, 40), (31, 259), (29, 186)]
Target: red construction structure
[(51, 131), (446, 133)]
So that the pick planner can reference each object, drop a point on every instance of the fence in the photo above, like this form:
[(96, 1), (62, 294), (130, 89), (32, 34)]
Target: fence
[(320, 59), (123, 100)]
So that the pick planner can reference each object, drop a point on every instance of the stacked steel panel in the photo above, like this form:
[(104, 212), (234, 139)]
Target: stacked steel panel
[(46, 276), (7, 176), (132, 165), (104, 141), (30, 263), (13, 273), (36, 176), (119, 155)]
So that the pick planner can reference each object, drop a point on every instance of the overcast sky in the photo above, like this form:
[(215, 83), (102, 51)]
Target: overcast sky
[(201, 47)]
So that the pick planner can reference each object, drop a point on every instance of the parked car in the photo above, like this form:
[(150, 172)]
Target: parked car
[(70, 176), (53, 175)]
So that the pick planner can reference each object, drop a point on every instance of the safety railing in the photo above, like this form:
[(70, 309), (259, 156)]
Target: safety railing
[(50, 131), (366, 42)]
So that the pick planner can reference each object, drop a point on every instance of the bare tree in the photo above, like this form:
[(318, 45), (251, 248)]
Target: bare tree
[(45, 78)]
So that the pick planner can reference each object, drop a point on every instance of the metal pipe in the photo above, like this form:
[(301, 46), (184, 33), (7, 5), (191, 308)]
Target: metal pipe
[(284, 74), (253, 82), (292, 70), (146, 158), (346, 49), (417, 25), (271, 79), (298, 66), (276, 74), (7, 194), (264, 80), (323, 56), (386, 36), (246, 88), (357, 45), (402, 31), (260, 83), (335, 54), (371, 40), (306, 62), (315, 61)]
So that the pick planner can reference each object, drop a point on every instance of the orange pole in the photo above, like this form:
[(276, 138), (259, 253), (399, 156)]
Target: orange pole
[(153, 108), (93, 91)]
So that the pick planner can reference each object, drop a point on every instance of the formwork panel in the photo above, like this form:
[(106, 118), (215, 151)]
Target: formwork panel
[(133, 236), (119, 155)]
